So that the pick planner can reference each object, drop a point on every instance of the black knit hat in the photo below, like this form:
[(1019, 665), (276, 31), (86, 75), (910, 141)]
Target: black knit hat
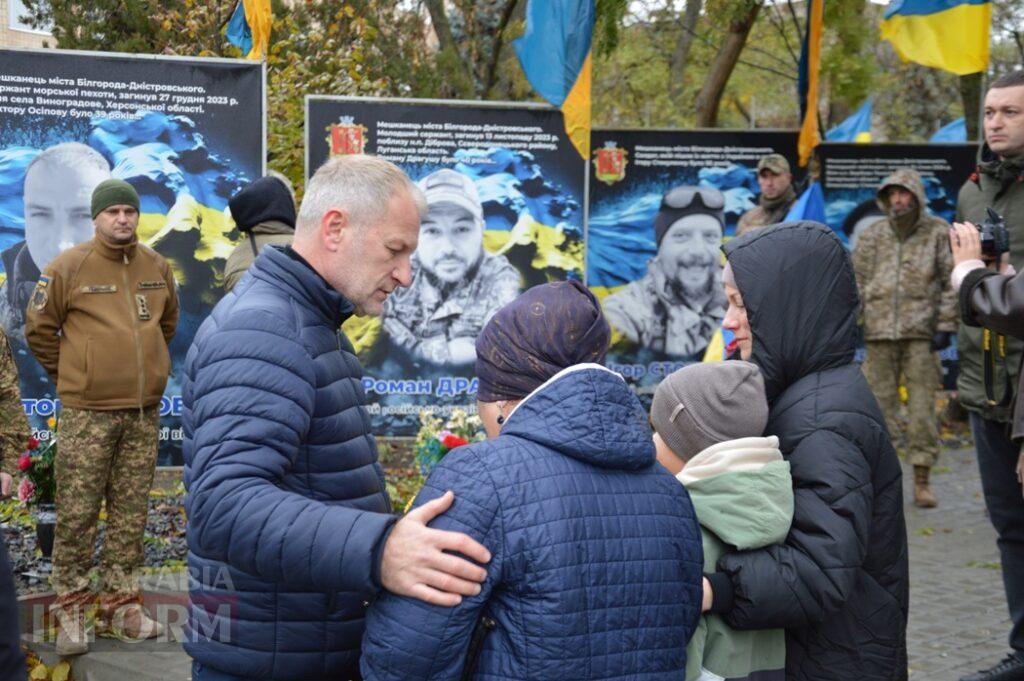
[(264, 200)]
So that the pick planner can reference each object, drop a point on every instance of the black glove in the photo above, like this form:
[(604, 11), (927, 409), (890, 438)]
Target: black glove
[(941, 341)]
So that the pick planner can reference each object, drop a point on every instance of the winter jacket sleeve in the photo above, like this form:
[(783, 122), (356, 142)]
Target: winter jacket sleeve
[(169, 320), (812, 574), (409, 639), (44, 318), (947, 317), (251, 398), (994, 301)]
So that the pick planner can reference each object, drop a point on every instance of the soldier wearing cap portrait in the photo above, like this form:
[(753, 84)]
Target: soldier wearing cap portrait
[(99, 322), (777, 194), (457, 286), (678, 305)]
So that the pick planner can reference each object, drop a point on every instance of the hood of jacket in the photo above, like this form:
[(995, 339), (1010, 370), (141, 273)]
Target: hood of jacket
[(904, 178), (797, 283), (1002, 169), (742, 491), (586, 412)]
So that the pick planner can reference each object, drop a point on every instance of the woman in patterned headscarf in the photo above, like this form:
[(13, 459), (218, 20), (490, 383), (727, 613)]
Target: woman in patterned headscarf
[(596, 555)]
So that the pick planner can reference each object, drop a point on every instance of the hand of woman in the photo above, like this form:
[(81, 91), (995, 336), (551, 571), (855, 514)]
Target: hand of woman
[(965, 242), (709, 596)]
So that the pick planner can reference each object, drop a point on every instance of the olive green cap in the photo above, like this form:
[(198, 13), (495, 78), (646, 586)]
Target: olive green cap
[(113, 193)]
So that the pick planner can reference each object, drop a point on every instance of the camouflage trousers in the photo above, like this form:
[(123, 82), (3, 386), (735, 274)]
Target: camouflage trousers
[(913, 361), (102, 456)]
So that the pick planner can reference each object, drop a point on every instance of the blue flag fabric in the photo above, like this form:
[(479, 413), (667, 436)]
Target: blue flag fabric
[(239, 34), (810, 205), (856, 128), (953, 132)]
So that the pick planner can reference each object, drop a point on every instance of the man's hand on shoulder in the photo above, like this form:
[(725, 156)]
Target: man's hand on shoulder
[(415, 562)]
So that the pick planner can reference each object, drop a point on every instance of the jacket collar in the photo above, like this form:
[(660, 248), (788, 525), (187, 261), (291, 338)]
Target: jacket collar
[(303, 283), (117, 252)]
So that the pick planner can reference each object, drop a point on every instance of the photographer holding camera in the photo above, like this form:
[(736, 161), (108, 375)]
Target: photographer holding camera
[(990, 362)]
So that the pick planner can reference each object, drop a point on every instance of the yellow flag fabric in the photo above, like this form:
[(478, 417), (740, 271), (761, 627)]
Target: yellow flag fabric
[(810, 136), (952, 35)]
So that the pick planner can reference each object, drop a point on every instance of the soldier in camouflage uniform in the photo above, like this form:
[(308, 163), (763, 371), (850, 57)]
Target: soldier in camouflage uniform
[(457, 286), (777, 194), (99, 322), (14, 428), (902, 264)]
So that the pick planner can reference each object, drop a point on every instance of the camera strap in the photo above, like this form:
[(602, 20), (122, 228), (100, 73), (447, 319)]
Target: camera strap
[(990, 354)]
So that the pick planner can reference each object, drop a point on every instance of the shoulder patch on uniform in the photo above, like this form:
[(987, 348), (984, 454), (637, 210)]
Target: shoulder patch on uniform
[(106, 288), (44, 281), (40, 296), (152, 284)]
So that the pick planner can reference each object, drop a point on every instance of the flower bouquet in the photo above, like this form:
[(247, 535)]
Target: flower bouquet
[(437, 437), (38, 486)]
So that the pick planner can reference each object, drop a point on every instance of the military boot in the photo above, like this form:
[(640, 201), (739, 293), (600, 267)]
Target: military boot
[(127, 620), (923, 497), (72, 636)]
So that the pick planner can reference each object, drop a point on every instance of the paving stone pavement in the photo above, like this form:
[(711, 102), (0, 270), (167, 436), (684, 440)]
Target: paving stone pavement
[(958, 617)]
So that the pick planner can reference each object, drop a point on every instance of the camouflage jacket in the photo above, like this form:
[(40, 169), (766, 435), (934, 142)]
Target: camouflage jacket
[(903, 273), (418, 320), (766, 213), (14, 430), (999, 184), (649, 316)]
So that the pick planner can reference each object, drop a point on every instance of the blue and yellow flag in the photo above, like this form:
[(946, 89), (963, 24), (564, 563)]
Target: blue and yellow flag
[(807, 83), (249, 27), (950, 133), (856, 128), (555, 55), (952, 35)]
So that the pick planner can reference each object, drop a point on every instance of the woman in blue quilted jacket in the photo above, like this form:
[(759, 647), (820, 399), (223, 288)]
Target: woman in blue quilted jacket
[(596, 552)]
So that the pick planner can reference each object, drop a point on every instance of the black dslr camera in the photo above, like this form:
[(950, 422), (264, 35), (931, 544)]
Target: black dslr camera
[(995, 239)]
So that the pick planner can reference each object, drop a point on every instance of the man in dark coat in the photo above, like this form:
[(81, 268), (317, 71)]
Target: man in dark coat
[(838, 584), (290, 534)]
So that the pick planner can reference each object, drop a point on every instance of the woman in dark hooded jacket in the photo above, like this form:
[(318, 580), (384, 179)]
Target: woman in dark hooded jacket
[(838, 584)]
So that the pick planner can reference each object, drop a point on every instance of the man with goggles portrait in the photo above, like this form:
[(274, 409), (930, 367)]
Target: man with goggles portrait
[(678, 305)]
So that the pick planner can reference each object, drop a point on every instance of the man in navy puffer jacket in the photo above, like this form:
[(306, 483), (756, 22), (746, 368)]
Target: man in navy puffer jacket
[(596, 569), (289, 533)]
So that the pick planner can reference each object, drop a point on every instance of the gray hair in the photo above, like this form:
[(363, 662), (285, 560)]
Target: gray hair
[(73, 155), (362, 185)]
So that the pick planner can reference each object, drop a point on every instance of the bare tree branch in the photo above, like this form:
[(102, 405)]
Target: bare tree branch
[(491, 76), (796, 22)]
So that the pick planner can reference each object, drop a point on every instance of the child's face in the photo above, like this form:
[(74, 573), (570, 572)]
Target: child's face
[(666, 457)]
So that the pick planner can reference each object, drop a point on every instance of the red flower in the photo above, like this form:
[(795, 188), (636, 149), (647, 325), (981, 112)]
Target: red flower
[(33, 443), (453, 441), (24, 462)]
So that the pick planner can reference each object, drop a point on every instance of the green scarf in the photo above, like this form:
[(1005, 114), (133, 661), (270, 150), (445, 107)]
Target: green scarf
[(777, 208)]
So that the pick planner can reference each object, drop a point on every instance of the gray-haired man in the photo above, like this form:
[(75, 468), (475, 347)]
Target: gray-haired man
[(457, 286)]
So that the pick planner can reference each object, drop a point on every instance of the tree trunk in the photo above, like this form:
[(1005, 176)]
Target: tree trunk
[(970, 95), (681, 54), (446, 42), (491, 76), (710, 97)]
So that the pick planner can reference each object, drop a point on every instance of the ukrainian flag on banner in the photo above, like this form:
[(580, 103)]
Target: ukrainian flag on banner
[(856, 128), (952, 35), (249, 27), (810, 65), (555, 55)]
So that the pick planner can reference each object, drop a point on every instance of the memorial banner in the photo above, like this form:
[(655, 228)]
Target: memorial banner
[(186, 133), (658, 268), (505, 192)]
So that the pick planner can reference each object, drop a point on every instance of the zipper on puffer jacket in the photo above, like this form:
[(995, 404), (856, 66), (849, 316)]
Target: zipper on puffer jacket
[(484, 625)]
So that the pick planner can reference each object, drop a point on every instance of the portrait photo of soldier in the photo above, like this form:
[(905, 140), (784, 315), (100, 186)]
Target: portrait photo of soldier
[(58, 190), (457, 286), (678, 305)]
